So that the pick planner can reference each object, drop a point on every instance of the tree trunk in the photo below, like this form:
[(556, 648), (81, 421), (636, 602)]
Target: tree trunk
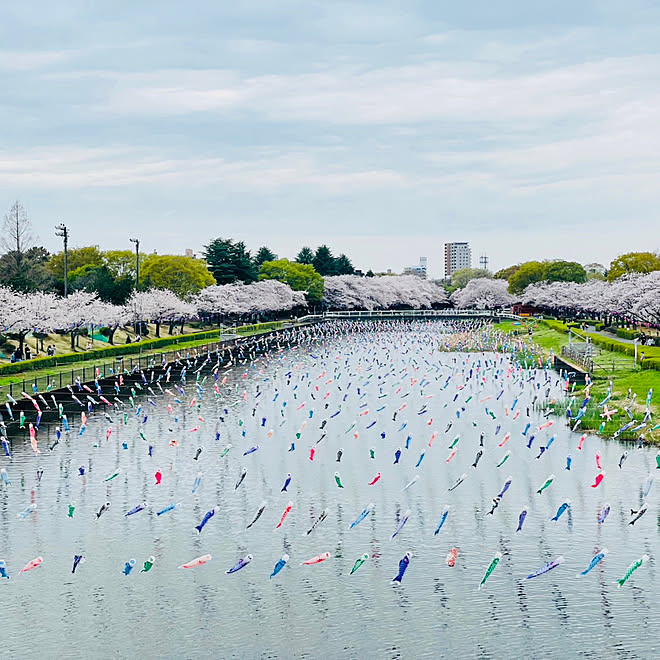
[(158, 329)]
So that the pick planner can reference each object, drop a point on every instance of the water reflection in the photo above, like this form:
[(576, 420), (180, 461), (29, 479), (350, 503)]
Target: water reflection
[(308, 610)]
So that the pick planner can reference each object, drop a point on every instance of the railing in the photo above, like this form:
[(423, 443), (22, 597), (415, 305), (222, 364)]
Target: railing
[(422, 313), (119, 365), (122, 364), (579, 357), (310, 318)]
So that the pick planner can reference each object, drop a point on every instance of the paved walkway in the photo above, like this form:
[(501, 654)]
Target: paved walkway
[(607, 335)]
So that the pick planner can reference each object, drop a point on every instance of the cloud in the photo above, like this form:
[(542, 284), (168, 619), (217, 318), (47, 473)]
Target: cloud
[(429, 92), (385, 128), (74, 168), (16, 61)]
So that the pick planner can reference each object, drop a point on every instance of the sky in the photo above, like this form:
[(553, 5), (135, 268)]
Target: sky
[(383, 129)]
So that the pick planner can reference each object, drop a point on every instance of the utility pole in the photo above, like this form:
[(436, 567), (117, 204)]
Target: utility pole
[(137, 262), (483, 261), (62, 231)]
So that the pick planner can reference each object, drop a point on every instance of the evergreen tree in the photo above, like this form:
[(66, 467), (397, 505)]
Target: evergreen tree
[(324, 262), (263, 254), (229, 262), (100, 280), (305, 256), (27, 271), (343, 265)]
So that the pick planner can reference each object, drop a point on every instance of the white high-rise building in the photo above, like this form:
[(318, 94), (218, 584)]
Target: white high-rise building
[(457, 256)]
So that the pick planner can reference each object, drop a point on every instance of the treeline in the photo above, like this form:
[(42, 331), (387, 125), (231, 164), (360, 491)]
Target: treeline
[(113, 274), (520, 276), (230, 261)]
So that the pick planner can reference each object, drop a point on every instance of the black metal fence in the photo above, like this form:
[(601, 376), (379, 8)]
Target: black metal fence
[(105, 369)]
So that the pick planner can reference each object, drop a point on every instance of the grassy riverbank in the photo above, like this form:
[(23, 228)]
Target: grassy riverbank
[(44, 367), (614, 366)]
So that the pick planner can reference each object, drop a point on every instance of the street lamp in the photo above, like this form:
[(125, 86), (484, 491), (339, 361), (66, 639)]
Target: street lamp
[(62, 231), (137, 262)]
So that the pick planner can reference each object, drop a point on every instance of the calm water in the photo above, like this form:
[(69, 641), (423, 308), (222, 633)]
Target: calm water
[(321, 610)]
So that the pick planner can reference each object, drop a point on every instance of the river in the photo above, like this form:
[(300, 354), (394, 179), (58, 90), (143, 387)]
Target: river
[(322, 610)]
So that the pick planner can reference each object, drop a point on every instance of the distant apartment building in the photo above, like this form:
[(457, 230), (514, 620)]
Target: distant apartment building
[(457, 256), (418, 270), (595, 269)]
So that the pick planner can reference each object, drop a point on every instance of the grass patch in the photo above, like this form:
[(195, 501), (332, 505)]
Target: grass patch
[(619, 367)]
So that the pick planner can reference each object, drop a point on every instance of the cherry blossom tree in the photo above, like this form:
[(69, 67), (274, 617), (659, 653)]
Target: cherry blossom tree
[(264, 297), (634, 298), (112, 317), (483, 293), (158, 306), (354, 292), (22, 313), (639, 296), (75, 313)]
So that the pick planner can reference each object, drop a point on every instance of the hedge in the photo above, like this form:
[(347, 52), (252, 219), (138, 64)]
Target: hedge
[(651, 353), (37, 364), (258, 327), (626, 334), (555, 325)]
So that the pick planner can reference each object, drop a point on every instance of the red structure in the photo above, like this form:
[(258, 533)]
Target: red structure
[(526, 310)]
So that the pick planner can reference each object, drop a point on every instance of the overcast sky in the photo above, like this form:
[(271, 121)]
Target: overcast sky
[(530, 129)]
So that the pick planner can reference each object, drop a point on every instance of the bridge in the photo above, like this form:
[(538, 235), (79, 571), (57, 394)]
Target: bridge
[(381, 314)]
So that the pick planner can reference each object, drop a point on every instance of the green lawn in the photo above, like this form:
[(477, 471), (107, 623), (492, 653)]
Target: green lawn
[(624, 376)]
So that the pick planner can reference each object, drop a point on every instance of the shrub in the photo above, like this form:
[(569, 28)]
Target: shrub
[(651, 363), (555, 325), (612, 344), (627, 334), (258, 327)]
